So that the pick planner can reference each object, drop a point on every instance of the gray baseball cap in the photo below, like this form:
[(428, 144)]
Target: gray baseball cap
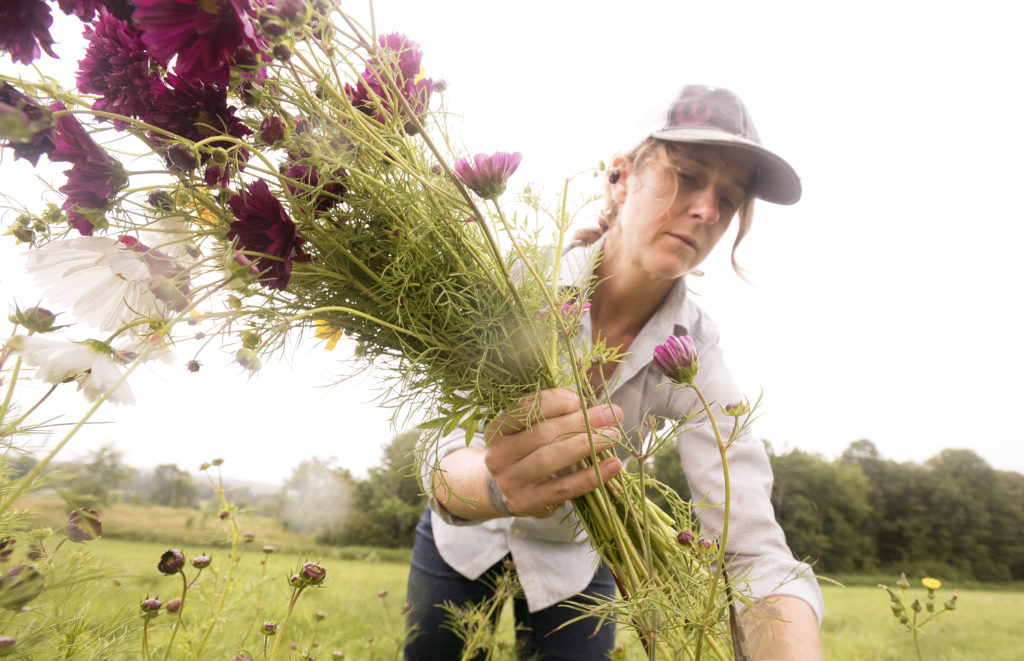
[(715, 116)]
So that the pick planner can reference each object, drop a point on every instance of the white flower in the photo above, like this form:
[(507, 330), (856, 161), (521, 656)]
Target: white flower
[(108, 282), (91, 363), (170, 235)]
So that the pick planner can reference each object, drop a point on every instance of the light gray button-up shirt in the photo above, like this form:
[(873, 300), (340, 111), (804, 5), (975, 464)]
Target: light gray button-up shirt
[(553, 565)]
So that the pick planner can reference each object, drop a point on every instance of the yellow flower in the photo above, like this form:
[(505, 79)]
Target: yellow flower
[(931, 583), (325, 332)]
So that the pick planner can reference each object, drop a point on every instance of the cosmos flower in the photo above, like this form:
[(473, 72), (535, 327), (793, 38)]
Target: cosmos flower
[(84, 524), (400, 57), (83, 9), (487, 175), (94, 177), (264, 230), (28, 126), (107, 282), (327, 193), (25, 29), (206, 35), (117, 67), (677, 358), (92, 363), (197, 111)]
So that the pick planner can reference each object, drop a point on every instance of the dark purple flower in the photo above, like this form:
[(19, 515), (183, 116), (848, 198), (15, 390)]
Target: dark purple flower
[(34, 133), (206, 35), (197, 111), (677, 358), (94, 177), (264, 230), (399, 58), (83, 9), (327, 192), (272, 130), (313, 574), (84, 524), (25, 28), (171, 562), (487, 175), (117, 67)]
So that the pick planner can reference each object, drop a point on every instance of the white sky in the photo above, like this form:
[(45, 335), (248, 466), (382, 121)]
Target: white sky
[(885, 303)]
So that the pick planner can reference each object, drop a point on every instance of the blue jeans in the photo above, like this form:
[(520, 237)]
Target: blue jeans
[(432, 581)]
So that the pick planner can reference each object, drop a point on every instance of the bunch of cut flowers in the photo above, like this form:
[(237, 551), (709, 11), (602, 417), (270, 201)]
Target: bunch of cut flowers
[(267, 170)]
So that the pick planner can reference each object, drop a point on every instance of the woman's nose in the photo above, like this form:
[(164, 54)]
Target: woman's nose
[(704, 205)]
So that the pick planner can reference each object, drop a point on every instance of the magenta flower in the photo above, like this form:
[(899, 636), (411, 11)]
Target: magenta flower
[(25, 28), (263, 227), (94, 177), (487, 175), (117, 67), (400, 60), (677, 358), (197, 111), (327, 192), (83, 9), (206, 35), (34, 124), (313, 574)]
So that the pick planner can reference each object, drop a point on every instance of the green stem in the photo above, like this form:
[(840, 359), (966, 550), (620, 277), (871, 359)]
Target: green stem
[(181, 611), (287, 615), (720, 564)]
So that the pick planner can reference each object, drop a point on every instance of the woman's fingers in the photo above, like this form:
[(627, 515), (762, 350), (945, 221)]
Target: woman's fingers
[(553, 403), (552, 458), (543, 499)]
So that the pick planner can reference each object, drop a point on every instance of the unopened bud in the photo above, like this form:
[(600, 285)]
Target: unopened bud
[(181, 158), (150, 606), (219, 156), (160, 199), (282, 52), (736, 409), (272, 130), (171, 562), (20, 585), (36, 319), (268, 549), (193, 366), (7, 645), (382, 593), (201, 561), (269, 628), (916, 606), (173, 606), (685, 537), (84, 524), (313, 574), (903, 583), (248, 536), (248, 359)]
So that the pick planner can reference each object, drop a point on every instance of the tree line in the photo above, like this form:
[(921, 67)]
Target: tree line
[(953, 516)]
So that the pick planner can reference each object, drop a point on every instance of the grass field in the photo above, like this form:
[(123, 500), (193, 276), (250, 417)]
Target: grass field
[(988, 624)]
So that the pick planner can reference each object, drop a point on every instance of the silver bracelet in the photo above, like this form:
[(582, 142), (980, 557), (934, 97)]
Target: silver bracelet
[(496, 498)]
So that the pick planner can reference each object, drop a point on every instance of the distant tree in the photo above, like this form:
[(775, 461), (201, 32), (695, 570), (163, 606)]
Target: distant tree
[(102, 475), (317, 497), (388, 504), (823, 508), (173, 487)]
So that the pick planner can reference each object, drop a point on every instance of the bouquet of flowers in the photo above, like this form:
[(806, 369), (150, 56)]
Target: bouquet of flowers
[(268, 168)]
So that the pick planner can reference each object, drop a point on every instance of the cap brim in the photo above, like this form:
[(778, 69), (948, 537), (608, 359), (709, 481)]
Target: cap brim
[(776, 181)]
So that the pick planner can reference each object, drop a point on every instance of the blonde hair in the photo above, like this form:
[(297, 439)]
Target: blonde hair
[(648, 151)]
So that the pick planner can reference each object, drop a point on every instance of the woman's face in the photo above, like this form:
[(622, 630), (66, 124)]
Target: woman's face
[(674, 208)]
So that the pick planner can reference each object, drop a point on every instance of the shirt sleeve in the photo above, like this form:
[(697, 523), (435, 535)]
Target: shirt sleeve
[(760, 562), (432, 454)]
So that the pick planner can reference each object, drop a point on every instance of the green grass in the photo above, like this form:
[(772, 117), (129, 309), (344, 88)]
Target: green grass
[(858, 622)]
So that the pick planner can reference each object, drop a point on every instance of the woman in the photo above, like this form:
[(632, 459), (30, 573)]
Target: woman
[(670, 200)]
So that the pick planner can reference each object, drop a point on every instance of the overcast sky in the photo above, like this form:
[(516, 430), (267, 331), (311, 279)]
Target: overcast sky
[(885, 305)]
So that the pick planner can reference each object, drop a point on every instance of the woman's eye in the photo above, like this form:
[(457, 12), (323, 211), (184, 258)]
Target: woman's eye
[(688, 179)]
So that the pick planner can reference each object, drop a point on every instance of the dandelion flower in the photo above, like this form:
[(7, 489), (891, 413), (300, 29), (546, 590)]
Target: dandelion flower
[(931, 583)]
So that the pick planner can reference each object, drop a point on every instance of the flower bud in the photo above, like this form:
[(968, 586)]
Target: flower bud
[(224, 514), (244, 57), (248, 359), (150, 606), (171, 562), (916, 606), (117, 581), (313, 574), (248, 536), (219, 156), (320, 616), (704, 545), (337, 654), (268, 549), (903, 583), (83, 524), (736, 409), (20, 585), (677, 359), (193, 366), (406, 607), (282, 52), (37, 319), (6, 548), (382, 593), (272, 130), (296, 581), (201, 561), (173, 606), (7, 645), (273, 28), (292, 11), (160, 199), (269, 628), (217, 461), (181, 158), (930, 606), (686, 537)]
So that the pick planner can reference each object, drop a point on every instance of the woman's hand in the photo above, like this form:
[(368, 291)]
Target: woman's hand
[(532, 463)]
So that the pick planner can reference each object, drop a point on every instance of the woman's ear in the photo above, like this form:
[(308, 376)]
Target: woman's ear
[(617, 178)]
